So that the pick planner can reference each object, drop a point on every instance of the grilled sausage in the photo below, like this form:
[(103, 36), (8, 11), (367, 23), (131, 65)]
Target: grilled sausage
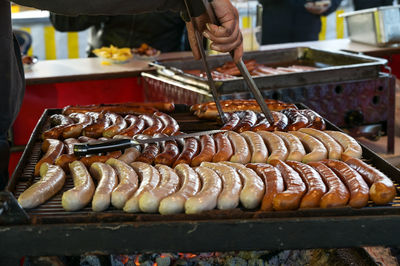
[(84, 139), (64, 160), (258, 150), (129, 155), (316, 151), (224, 149), (273, 183), (232, 121), (359, 191), (170, 126), (206, 198), (69, 145), (128, 182), (51, 181), (207, 151), (296, 119), (295, 188), (334, 149), (316, 120), (58, 123), (280, 121), (149, 179), (189, 151), (154, 125), (350, 145), (232, 185), (82, 193), (253, 186), (337, 195), (149, 151), (117, 124), (75, 130), (295, 147), (96, 129), (262, 125), (136, 126), (248, 120), (382, 190), (107, 181), (88, 161), (275, 145), (150, 200), (191, 185), (241, 150), (53, 148), (169, 155), (315, 186)]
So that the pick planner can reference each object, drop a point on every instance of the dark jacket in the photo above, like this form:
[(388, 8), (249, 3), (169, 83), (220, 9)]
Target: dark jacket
[(161, 30), (289, 21), (12, 82)]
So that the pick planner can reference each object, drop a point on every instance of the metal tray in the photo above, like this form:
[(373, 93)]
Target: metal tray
[(333, 67), (377, 26), (114, 231)]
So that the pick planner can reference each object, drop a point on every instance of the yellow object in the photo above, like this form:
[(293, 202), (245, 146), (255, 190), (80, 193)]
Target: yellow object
[(377, 27), (73, 45), (105, 63), (50, 42), (113, 53), (339, 24), (322, 34)]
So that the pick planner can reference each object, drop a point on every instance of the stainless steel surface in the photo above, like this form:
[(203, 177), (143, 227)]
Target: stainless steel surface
[(332, 67), (376, 26)]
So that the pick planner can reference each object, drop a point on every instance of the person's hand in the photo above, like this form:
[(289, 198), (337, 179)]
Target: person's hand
[(224, 38), (319, 7)]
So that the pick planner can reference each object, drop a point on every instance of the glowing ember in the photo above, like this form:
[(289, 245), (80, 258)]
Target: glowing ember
[(137, 263)]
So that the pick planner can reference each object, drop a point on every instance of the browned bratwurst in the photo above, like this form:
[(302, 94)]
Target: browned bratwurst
[(359, 191), (382, 190), (295, 188)]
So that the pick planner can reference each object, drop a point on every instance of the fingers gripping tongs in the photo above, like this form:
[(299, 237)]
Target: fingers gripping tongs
[(196, 8)]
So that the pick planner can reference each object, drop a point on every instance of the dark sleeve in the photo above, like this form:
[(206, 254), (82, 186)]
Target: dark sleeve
[(102, 7), (334, 5), (74, 23)]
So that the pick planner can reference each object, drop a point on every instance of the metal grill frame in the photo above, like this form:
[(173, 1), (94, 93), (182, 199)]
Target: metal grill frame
[(214, 231)]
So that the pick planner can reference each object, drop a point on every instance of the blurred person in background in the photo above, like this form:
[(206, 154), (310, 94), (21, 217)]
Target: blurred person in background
[(294, 20), (224, 38), (162, 30), (364, 4)]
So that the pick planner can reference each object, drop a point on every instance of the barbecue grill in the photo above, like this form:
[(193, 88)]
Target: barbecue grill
[(49, 230), (349, 90)]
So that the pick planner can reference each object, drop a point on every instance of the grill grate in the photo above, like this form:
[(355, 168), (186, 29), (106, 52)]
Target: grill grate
[(53, 212)]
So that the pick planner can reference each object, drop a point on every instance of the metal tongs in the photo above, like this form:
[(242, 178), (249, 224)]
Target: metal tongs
[(196, 8)]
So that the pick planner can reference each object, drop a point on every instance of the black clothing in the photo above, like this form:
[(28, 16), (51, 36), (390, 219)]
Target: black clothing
[(162, 30), (12, 85), (364, 4), (288, 21)]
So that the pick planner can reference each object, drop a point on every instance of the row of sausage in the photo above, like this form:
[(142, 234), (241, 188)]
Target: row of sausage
[(107, 124), (141, 187), (305, 145)]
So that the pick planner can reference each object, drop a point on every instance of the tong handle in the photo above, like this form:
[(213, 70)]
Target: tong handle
[(81, 149)]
